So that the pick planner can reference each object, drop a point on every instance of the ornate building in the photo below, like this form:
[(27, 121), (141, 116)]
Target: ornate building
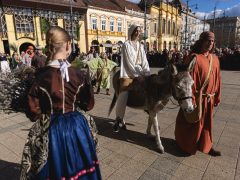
[(165, 24), (25, 22), (227, 31)]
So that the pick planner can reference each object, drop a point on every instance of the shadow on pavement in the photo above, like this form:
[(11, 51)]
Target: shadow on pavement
[(104, 126), (9, 170)]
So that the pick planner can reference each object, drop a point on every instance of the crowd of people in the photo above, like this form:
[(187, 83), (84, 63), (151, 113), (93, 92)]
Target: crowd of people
[(30, 57), (61, 132)]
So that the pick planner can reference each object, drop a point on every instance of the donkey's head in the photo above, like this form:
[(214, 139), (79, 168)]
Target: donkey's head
[(182, 85)]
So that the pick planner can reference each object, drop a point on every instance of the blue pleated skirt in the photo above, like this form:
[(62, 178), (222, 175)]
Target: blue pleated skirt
[(72, 153)]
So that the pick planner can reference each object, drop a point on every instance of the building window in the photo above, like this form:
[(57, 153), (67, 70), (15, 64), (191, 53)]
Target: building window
[(94, 22), (3, 26), (24, 23), (155, 28), (164, 26), (169, 26), (173, 28), (119, 25), (76, 28), (103, 23), (111, 25), (50, 16)]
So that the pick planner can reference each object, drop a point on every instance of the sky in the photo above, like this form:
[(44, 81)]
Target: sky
[(206, 7)]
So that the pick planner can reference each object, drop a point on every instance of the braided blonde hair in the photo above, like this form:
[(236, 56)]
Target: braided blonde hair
[(56, 37)]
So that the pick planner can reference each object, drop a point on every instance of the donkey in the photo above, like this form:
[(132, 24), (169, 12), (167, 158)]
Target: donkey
[(153, 95)]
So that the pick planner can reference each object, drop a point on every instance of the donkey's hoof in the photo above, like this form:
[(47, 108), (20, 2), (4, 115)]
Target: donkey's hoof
[(161, 150), (116, 128), (124, 127)]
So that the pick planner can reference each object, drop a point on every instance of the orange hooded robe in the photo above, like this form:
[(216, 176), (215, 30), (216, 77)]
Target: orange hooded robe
[(198, 136)]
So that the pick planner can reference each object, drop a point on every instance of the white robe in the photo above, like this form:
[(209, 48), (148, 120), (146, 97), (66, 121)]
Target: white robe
[(4, 67), (133, 62)]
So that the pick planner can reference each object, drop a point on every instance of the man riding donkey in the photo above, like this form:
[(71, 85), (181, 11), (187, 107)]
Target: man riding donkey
[(133, 64)]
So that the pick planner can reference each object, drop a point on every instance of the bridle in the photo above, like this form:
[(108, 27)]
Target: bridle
[(179, 99)]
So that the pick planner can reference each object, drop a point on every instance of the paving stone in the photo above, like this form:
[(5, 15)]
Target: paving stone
[(6, 123), (196, 162), (131, 155), (165, 165), (187, 173), (12, 142), (218, 170), (238, 164), (21, 132), (128, 150), (103, 153), (145, 157), (106, 170), (115, 160), (154, 174), (133, 168), (120, 176), (7, 157), (230, 144)]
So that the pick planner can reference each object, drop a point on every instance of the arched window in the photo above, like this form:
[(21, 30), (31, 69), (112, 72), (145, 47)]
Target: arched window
[(24, 23), (111, 24), (3, 25), (119, 25), (103, 23), (169, 27), (164, 26), (164, 45), (94, 22), (173, 28)]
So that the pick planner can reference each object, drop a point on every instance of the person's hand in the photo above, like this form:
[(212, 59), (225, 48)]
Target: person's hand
[(139, 69)]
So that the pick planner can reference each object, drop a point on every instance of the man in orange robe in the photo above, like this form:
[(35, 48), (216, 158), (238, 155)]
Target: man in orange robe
[(198, 136)]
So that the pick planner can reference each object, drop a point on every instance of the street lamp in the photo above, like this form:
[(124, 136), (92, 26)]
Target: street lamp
[(186, 24), (145, 25), (72, 30)]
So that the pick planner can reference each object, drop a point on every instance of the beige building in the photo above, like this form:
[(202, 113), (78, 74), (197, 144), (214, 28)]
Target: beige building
[(108, 23), (24, 23)]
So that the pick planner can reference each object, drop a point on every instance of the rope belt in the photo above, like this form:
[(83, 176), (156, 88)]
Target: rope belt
[(208, 96)]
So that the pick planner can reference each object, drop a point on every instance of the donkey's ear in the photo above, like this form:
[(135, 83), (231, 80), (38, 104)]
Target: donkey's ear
[(191, 64), (174, 70)]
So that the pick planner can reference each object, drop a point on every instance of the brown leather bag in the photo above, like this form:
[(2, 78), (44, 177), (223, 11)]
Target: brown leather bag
[(196, 114)]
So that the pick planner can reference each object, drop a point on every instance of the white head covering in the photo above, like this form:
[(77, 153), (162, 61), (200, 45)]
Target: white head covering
[(131, 29)]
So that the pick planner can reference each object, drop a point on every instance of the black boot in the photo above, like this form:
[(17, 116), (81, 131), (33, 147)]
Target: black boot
[(116, 126), (214, 152), (107, 92)]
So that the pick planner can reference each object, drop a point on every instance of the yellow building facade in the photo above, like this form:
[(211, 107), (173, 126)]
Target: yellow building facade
[(165, 27), (21, 27)]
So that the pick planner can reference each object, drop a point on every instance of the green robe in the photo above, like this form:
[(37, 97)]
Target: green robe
[(104, 68)]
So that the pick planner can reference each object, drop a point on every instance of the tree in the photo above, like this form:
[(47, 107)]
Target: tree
[(44, 24)]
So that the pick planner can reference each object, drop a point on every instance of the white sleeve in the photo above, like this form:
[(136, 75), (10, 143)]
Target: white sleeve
[(126, 63)]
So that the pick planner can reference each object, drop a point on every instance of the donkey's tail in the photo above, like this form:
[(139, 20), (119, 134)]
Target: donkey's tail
[(112, 104)]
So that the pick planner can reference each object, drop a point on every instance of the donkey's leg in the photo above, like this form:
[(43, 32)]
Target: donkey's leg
[(149, 127), (153, 116)]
